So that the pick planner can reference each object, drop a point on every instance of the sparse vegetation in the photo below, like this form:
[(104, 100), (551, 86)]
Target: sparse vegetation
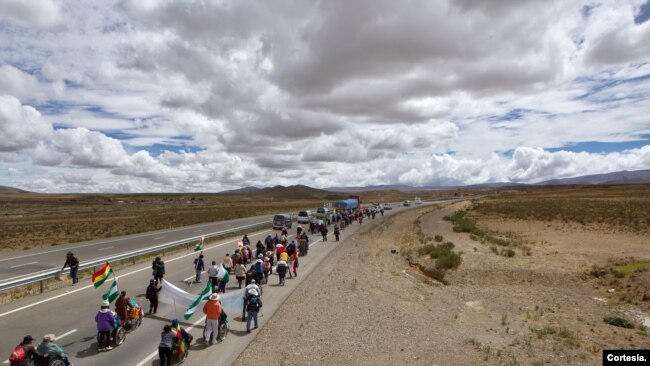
[(613, 206), (617, 321)]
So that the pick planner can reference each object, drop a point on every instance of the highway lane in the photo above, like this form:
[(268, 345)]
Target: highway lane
[(71, 311), (28, 262)]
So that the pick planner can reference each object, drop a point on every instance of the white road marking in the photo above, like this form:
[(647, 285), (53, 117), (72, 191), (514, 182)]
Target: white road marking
[(23, 265), (155, 353), (158, 238), (65, 334), (147, 268), (198, 231), (106, 248)]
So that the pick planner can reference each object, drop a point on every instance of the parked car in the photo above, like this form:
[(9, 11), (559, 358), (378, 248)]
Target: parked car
[(281, 220), (303, 217), (406, 203)]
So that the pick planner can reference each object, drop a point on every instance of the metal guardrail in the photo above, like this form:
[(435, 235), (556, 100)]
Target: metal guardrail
[(40, 277)]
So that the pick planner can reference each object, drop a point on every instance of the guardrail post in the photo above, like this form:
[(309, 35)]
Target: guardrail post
[(134, 260), (42, 287)]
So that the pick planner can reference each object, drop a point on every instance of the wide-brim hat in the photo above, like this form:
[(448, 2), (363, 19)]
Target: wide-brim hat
[(253, 292), (106, 303), (214, 296)]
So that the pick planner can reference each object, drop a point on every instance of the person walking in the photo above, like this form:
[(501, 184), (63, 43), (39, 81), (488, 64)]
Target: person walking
[(240, 273), (267, 270), (212, 275), (212, 311), (337, 232), (72, 262), (227, 263), (23, 354), (199, 267), (281, 269), (259, 248), (253, 306), (294, 263), (323, 232), (152, 295), (165, 346), (122, 305), (105, 321), (158, 267), (269, 244)]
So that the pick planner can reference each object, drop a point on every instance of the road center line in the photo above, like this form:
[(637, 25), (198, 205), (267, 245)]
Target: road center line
[(65, 334), (106, 248), (23, 265), (158, 238), (147, 268)]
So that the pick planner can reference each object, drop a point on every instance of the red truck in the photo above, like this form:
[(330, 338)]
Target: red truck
[(356, 197)]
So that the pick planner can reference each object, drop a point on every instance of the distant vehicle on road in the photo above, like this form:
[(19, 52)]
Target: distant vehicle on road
[(417, 201), (322, 212), (388, 206), (281, 220), (406, 203), (303, 217), (349, 204)]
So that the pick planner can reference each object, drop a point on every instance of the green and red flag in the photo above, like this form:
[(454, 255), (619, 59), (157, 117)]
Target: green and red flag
[(199, 245), (102, 275)]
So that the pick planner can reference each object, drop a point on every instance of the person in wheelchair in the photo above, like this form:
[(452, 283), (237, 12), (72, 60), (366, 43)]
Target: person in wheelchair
[(53, 350)]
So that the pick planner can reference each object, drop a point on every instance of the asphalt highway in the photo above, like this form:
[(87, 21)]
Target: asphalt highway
[(29, 262), (69, 312)]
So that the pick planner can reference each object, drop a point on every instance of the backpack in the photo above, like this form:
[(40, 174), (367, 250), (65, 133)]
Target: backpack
[(18, 355), (291, 248), (254, 303)]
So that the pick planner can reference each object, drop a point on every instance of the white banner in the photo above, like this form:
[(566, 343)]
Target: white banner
[(230, 301)]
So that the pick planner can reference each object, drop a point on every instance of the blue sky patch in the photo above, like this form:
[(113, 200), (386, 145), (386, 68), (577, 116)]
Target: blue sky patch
[(644, 13), (603, 147)]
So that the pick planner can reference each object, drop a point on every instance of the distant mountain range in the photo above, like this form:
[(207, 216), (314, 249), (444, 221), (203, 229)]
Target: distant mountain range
[(290, 192), (623, 177), (309, 193), (4, 189)]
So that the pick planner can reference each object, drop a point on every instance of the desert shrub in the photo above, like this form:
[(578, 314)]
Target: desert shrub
[(507, 252), (438, 238), (617, 321), (597, 271), (448, 260), (494, 249)]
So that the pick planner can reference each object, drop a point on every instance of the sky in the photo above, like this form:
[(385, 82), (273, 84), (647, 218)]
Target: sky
[(201, 96)]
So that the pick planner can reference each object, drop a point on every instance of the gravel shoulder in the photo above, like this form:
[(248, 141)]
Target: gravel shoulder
[(364, 304)]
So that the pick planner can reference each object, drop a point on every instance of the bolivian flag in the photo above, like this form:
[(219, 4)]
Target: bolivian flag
[(180, 340), (102, 275)]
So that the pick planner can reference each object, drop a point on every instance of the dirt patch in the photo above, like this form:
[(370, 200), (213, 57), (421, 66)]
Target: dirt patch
[(364, 304)]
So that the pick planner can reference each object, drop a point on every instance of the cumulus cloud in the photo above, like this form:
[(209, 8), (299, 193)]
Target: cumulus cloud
[(39, 13), (160, 95), (21, 127)]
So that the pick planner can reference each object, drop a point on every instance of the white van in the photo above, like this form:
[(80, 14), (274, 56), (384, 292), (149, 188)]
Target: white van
[(418, 201), (303, 217), (281, 220), (406, 203)]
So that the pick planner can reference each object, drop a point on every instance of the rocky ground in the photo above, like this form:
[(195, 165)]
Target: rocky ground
[(367, 305)]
